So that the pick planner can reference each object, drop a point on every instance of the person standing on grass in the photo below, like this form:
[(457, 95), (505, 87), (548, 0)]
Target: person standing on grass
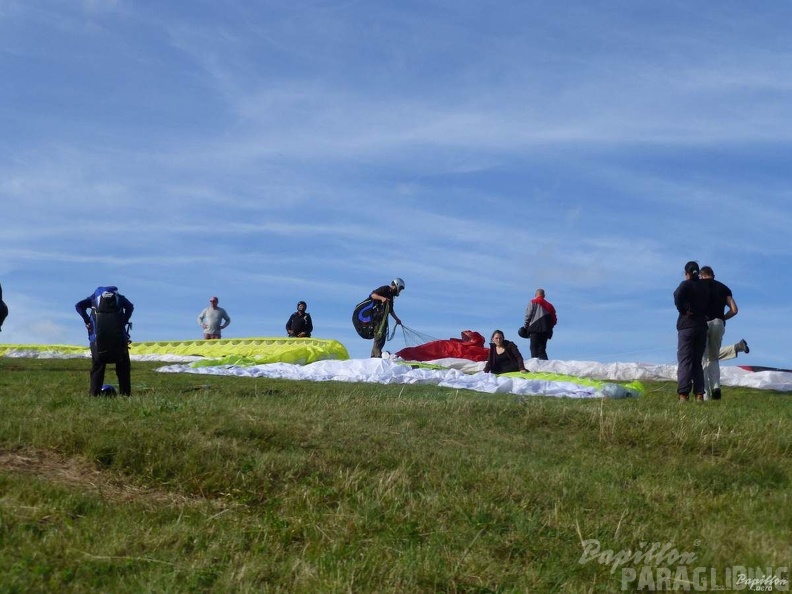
[(692, 301), (108, 334), (383, 298), (720, 299), (540, 319), (213, 320)]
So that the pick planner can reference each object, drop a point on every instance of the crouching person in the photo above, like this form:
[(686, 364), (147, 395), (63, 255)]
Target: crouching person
[(106, 315)]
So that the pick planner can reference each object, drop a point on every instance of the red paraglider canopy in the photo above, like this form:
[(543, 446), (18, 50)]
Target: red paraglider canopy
[(470, 346)]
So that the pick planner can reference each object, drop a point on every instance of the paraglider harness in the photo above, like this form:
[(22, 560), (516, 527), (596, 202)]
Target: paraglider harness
[(370, 318), (109, 333)]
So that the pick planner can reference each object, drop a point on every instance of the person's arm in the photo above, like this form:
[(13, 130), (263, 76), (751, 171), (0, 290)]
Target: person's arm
[(529, 313), (308, 323), (515, 351), (81, 306), (289, 325), (552, 311), (127, 306), (681, 300), (225, 317), (732, 308), (201, 317), (395, 317)]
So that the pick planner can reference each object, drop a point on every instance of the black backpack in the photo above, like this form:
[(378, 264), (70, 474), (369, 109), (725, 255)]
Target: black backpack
[(369, 317), (110, 336)]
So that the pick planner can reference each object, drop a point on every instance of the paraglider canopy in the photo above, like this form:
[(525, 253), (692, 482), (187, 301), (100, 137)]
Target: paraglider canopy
[(470, 346)]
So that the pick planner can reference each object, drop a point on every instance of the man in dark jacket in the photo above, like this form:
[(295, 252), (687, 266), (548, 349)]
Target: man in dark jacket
[(540, 319), (106, 315), (300, 324), (692, 300)]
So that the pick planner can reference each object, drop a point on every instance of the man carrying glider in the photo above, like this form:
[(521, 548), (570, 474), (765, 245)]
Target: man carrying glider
[(720, 299), (383, 298), (213, 320), (300, 324), (108, 333)]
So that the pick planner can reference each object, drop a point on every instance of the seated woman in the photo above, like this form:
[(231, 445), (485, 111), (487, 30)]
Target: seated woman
[(504, 356)]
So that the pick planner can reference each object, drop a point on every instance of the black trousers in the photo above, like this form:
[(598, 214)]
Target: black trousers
[(691, 343), (539, 344), (123, 371)]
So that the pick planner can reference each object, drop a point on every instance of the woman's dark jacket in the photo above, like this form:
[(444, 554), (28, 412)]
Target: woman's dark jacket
[(514, 356)]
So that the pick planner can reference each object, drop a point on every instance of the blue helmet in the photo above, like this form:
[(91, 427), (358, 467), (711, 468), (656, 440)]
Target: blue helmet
[(108, 390)]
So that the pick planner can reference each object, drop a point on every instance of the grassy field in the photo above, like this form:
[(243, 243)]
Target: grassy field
[(226, 484)]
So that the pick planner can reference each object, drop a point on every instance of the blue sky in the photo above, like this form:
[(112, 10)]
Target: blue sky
[(270, 152)]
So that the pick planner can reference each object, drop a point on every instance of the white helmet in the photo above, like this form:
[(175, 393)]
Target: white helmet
[(399, 284)]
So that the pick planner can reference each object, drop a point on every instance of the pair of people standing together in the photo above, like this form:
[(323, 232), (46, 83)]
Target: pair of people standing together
[(702, 304)]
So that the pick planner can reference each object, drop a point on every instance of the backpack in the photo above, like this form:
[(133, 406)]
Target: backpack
[(368, 317), (110, 337)]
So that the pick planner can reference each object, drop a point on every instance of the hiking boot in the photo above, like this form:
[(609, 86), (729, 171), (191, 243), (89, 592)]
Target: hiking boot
[(716, 394), (742, 347), (684, 397), (699, 397)]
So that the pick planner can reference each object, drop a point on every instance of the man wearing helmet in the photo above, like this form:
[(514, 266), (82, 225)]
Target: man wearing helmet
[(383, 298), (300, 324)]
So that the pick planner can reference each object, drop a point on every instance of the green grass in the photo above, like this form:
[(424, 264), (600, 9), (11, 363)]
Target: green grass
[(226, 484)]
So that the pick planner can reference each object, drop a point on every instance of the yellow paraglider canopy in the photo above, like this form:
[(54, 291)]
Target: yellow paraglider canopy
[(298, 351)]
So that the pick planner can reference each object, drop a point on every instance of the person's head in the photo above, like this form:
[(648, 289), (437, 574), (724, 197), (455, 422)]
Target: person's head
[(213, 301), (707, 272), (692, 270), (497, 337), (302, 306), (398, 285), (540, 293)]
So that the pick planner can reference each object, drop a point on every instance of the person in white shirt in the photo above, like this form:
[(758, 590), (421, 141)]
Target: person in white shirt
[(213, 320)]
